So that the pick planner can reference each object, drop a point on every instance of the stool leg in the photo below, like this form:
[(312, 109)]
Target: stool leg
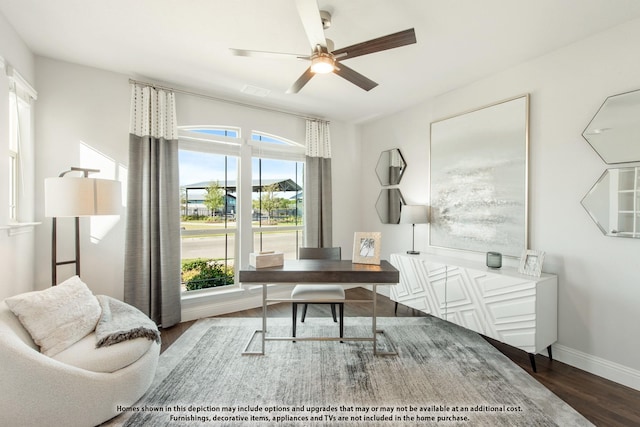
[(294, 311), (341, 320), (304, 312), (333, 312)]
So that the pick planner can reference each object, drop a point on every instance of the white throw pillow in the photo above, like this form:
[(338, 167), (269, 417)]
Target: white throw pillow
[(58, 316)]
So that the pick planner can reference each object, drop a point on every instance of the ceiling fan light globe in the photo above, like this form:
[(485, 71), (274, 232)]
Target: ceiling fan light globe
[(322, 65)]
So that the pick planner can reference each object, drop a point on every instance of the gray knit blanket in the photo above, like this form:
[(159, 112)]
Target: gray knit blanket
[(120, 322)]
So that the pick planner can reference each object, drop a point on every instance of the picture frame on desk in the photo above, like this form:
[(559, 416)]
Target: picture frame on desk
[(531, 262), (366, 247)]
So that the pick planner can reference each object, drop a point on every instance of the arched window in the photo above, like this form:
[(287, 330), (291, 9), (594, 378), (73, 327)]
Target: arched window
[(211, 187)]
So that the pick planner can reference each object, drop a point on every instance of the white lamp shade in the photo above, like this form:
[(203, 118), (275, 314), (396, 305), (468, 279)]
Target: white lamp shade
[(414, 214), (72, 196)]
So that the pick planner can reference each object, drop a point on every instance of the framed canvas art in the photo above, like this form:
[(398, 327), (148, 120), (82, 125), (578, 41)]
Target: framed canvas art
[(478, 171)]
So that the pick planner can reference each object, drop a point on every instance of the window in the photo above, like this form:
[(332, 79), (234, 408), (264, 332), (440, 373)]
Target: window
[(278, 189), (20, 96), (208, 162), (212, 219)]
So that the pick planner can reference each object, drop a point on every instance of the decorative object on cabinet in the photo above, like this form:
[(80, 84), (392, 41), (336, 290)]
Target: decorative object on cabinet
[(66, 196), (614, 131), (531, 263), (518, 310), (478, 167), (389, 205), (414, 214), (366, 247), (613, 202), (390, 167), (494, 259)]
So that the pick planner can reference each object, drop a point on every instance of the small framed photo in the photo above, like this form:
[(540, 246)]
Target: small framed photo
[(531, 262), (366, 248)]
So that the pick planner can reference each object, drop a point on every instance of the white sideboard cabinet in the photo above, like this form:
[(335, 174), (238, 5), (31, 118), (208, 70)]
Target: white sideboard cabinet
[(502, 304)]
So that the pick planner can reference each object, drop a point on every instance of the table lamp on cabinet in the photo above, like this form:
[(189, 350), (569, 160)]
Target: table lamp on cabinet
[(414, 214)]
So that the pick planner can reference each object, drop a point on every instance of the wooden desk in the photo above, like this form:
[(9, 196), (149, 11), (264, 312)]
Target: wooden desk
[(314, 271)]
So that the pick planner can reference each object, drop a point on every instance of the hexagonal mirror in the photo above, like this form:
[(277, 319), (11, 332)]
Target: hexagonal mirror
[(614, 132), (390, 167), (614, 202), (388, 205)]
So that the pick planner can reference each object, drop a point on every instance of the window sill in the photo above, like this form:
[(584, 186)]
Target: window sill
[(211, 292), (220, 292), (19, 227)]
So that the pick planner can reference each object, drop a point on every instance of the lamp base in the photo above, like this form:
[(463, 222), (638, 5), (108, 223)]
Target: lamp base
[(413, 252)]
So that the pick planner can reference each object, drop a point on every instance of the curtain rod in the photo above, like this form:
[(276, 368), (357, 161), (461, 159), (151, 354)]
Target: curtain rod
[(228, 101)]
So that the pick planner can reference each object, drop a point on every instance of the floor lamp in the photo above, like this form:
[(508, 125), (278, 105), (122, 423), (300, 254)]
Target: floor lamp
[(414, 214), (67, 196)]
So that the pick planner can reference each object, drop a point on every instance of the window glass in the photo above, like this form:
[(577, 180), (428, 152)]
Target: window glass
[(19, 130), (277, 213), (208, 195)]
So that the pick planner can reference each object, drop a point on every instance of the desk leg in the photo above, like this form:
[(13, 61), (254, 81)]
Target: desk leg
[(264, 315), (377, 331), (262, 332), (373, 320)]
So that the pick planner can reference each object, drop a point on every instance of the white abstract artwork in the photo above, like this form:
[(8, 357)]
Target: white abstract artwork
[(478, 170)]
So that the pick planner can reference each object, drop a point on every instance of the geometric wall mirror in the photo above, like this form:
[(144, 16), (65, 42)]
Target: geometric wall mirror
[(613, 202), (614, 132), (388, 205), (390, 167)]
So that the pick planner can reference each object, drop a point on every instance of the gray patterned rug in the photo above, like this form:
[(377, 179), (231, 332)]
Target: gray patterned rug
[(444, 375)]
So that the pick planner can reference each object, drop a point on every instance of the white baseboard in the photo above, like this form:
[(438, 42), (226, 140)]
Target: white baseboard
[(595, 365)]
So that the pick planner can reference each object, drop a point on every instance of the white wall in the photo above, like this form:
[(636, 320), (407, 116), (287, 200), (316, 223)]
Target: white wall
[(599, 277), (83, 120), (16, 251)]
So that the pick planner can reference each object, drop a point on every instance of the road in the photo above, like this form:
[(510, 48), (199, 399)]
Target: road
[(214, 247)]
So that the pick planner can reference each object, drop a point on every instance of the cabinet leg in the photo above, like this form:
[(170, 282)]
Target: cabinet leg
[(549, 352), (532, 359)]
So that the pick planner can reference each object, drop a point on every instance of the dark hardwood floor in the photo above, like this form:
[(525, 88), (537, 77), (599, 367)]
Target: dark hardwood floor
[(601, 401)]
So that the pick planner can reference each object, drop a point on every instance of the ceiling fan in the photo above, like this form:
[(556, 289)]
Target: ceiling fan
[(323, 58)]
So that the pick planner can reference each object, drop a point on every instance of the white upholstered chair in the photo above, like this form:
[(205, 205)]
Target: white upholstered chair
[(81, 386), (318, 294)]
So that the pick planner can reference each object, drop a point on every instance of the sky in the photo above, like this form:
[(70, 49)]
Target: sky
[(198, 167)]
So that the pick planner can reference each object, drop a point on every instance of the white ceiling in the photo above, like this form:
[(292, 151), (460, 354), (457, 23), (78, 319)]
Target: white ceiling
[(186, 43)]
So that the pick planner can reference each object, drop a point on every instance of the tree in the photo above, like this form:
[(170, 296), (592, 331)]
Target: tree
[(269, 200), (214, 199)]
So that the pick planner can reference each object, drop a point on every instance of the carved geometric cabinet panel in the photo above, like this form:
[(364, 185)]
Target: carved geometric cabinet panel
[(502, 304)]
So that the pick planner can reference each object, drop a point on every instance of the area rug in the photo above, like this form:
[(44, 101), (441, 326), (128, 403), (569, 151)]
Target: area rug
[(443, 375)]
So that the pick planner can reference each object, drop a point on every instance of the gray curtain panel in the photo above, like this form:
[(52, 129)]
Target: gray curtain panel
[(152, 244), (318, 213), (317, 203), (152, 251)]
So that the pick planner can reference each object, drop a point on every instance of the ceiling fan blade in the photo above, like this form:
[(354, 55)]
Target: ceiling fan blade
[(265, 54), (310, 17), (302, 80), (391, 41), (355, 77)]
